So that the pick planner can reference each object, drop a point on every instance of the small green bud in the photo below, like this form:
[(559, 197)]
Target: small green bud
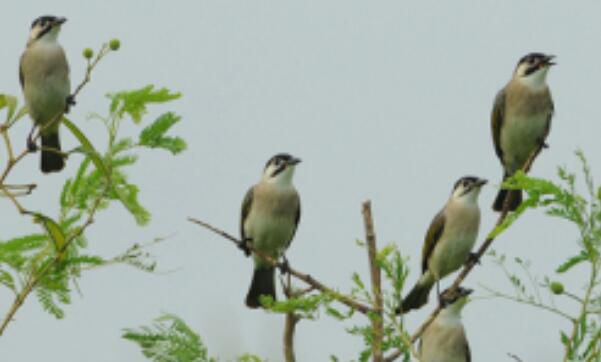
[(114, 44), (556, 288), (88, 53)]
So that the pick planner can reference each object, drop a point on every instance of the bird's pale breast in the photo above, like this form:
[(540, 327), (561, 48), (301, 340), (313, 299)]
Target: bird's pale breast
[(457, 240), (271, 222), (525, 125), (46, 83)]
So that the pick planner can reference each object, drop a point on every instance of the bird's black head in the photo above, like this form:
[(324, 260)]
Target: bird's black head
[(532, 62), (466, 184), (279, 163), (44, 24), (449, 298)]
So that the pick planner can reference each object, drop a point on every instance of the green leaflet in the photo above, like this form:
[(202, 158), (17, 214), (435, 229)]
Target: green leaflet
[(153, 136), (134, 102), (54, 231)]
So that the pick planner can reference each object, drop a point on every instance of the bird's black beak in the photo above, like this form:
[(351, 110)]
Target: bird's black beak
[(464, 292), (293, 161), (481, 182), (60, 21), (548, 61)]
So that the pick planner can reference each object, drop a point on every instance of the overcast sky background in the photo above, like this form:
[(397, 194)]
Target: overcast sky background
[(387, 101)]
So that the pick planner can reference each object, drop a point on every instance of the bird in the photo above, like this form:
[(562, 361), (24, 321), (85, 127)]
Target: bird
[(449, 240), (269, 219), (444, 340), (521, 120), (44, 78)]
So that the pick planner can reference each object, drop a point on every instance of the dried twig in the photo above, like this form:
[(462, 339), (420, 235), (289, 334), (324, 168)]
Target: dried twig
[(377, 320)]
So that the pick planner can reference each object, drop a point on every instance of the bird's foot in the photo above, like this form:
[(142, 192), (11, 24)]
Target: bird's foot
[(284, 265), (473, 258), (244, 246), (70, 102), (31, 145)]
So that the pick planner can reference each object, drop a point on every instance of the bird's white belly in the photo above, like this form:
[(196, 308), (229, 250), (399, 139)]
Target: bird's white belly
[(46, 99), (268, 233), (520, 136), (451, 254), (440, 343)]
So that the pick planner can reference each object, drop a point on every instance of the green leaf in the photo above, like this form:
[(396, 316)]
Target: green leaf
[(54, 231), (88, 148), (571, 262), (7, 280), (134, 102), (10, 102), (153, 136), (128, 195)]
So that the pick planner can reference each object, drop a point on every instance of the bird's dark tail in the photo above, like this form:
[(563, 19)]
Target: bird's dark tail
[(263, 283), (51, 160), (418, 296), (515, 195)]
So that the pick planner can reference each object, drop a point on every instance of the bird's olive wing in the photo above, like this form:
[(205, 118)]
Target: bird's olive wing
[(497, 118), (432, 236), (246, 204)]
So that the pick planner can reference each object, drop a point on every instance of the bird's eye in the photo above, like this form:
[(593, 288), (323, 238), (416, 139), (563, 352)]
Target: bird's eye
[(277, 162)]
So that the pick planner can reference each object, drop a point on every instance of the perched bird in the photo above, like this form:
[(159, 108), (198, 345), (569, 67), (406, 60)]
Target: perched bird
[(444, 339), (270, 215), (44, 76), (521, 119), (449, 240)]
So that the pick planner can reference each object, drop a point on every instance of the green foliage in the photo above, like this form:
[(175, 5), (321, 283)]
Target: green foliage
[(169, 339), (563, 200), (153, 136), (134, 103), (49, 262)]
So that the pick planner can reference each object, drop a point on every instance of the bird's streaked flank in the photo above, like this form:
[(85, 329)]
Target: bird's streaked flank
[(521, 119), (44, 77), (449, 240), (270, 216)]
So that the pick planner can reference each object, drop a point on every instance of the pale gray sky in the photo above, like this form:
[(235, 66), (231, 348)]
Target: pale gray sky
[(383, 100)]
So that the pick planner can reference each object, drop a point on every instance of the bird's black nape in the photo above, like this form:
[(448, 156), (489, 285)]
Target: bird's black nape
[(43, 20), (281, 157)]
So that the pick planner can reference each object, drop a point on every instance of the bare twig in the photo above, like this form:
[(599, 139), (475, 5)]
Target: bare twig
[(104, 50), (516, 358), (376, 284), (534, 303), (289, 329), (344, 299)]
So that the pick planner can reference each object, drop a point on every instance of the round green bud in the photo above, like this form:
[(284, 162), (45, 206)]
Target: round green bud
[(88, 53), (556, 288), (114, 44)]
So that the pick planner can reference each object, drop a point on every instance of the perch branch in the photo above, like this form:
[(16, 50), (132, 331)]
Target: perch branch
[(308, 279)]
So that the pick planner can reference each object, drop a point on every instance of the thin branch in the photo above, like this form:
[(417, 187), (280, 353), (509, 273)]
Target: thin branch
[(583, 310), (104, 50), (377, 320), (289, 329), (516, 358), (537, 303), (308, 279)]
